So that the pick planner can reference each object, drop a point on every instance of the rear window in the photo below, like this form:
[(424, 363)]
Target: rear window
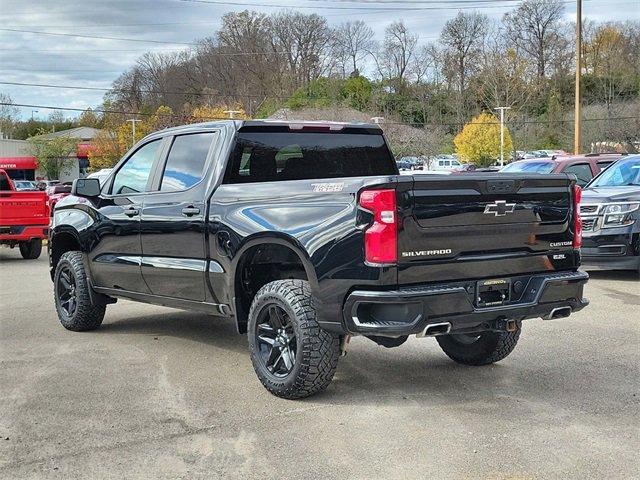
[(533, 167), (277, 156)]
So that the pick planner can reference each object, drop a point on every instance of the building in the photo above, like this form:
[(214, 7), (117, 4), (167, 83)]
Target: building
[(15, 158)]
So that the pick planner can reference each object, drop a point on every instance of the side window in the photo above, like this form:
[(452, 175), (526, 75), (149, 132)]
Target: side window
[(186, 161), (582, 171), (604, 164), (133, 175)]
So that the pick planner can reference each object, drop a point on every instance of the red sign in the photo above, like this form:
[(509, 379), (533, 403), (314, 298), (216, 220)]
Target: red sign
[(18, 163), (83, 150)]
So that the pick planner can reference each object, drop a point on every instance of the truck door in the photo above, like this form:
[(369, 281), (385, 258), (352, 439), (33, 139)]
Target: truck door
[(174, 260), (117, 256)]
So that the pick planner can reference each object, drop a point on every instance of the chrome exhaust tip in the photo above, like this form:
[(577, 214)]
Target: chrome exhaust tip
[(560, 312), (434, 329)]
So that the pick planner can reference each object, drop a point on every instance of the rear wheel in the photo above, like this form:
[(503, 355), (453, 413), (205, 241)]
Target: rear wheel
[(31, 249), (479, 349), (292, 356), (71, 292)]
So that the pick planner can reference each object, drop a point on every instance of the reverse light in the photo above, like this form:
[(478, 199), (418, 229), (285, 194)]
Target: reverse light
[(381, 237), (577, 220)]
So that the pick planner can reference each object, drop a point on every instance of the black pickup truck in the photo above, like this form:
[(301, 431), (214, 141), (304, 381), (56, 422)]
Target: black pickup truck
[(305, 234)]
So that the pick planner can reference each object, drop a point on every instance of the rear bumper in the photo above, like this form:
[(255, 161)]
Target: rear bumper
[(21, 233), (410, 310)]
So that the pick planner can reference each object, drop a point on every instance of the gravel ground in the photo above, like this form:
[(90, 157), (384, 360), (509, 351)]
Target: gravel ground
[(160, 393)]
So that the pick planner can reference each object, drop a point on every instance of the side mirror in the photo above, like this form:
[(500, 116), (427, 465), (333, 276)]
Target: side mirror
[(86, 187)]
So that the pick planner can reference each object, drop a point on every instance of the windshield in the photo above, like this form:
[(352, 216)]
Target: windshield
[(533, 167), (622, 173)]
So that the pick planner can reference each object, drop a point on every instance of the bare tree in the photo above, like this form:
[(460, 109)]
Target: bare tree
[(397, 54), (8, 115), (304, 41), (463, 38), (354, 40), (533, 27)]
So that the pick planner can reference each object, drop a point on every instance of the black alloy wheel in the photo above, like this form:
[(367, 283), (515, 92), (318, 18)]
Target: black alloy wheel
[(276, 340), (66, 291)]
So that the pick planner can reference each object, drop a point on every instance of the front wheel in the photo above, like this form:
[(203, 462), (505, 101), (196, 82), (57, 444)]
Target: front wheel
[(32, 249), (479, 349), (292, 356), (71, 292)]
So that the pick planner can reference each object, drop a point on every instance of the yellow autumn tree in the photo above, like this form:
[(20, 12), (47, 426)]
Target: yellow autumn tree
[(479, 140), (205, 113), (118, 136)]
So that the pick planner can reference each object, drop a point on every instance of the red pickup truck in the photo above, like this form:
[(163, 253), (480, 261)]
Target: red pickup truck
[(24, 218)]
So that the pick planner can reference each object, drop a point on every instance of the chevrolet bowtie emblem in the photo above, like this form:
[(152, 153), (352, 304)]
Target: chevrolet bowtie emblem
[(499, 208)]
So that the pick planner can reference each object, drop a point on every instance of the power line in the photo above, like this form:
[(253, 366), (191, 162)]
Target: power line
[(414, 124), (334, 7), (38, 32)]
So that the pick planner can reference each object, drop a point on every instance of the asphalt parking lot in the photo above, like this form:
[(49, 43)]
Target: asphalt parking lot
[(160, 393)]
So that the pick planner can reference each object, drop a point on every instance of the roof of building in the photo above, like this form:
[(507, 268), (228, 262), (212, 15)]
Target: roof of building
[(81, 133)]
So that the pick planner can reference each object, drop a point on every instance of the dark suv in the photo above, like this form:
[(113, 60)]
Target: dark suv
[(611, 218)]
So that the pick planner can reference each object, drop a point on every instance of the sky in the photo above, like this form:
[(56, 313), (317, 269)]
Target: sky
[(71, 58)]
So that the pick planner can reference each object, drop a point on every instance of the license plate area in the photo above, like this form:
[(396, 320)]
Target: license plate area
[(494, 292)]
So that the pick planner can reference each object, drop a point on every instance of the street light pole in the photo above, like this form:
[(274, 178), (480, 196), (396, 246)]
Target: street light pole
[(578, 115), (133, 129), (502, 109)]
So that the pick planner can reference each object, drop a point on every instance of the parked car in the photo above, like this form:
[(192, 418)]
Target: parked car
[(611, 218), (304, 234), (403, 165), (444, 163), (584, 167), (101, 174), (57, 193), (24, 218), (46, 184), (25, 185)]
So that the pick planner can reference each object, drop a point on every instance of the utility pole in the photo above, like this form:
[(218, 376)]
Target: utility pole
[(133, 129), (502, 109), (578, 115)]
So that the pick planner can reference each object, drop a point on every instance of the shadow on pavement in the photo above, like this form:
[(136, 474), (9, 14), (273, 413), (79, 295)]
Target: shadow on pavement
[(197, 327)]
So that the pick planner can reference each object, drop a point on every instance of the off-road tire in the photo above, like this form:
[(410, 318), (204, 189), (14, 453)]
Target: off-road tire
[(317, 350), (86, 316), (489, 348), (31, 249)]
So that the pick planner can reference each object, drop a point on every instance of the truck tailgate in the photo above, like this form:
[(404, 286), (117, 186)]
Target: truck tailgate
[(23, 208), (482, 225)]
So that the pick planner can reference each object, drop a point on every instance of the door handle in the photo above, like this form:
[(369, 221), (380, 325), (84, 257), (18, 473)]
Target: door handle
[(190, 211), (131, 212)]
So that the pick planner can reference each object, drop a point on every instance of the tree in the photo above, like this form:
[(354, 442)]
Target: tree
[(479, 140), (463, 38), (397, 54), (8, 115), (534, 28), (354, 41), (88, 118), (53, 154)]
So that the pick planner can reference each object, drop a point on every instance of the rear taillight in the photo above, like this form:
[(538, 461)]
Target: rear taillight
[(577, 220), (381, 237)]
